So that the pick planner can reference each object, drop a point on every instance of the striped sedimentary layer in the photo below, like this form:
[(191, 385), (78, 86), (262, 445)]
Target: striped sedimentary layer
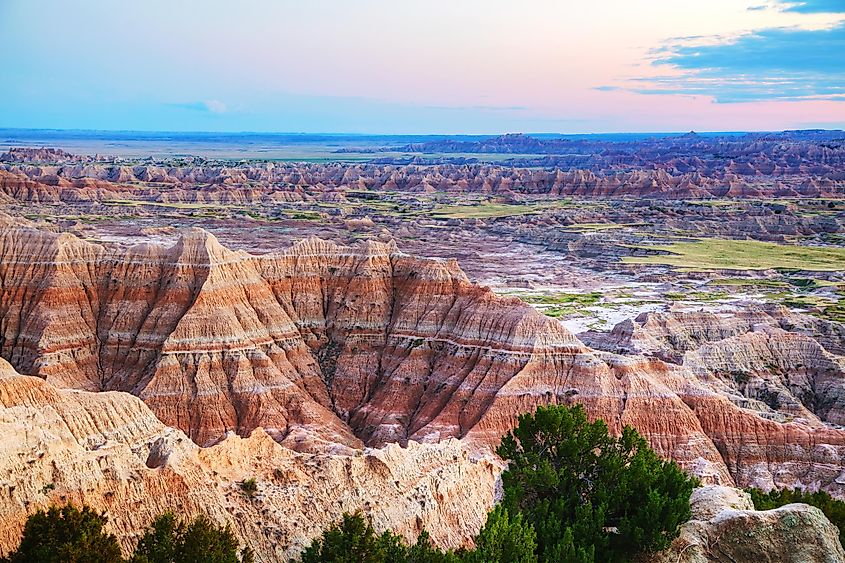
[(109, 451), (332, 347)]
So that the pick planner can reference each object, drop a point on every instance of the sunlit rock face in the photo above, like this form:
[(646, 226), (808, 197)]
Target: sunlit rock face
[(331, 348), (109, 451)]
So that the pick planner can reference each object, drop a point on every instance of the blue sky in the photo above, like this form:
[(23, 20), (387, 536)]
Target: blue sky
[(440, 66), (784, 63)]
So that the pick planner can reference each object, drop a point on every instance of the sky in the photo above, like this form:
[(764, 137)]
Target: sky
[(420, 67)]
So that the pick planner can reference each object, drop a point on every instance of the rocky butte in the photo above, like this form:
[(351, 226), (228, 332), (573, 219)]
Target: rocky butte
[(108, 450), (155, 377)]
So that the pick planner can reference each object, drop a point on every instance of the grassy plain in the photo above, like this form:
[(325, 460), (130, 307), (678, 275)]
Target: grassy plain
[(721, 254)]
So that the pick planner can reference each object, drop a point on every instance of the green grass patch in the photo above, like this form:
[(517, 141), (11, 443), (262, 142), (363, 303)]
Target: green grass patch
[(721, 254), (811, 283), (562, 304), (701, 296), (303, 215), (171, 205), (482, 211), (749, 282), (712, 202), (584, 299)]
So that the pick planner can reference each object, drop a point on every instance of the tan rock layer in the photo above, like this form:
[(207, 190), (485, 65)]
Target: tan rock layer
[(109, 451), (725, 528)]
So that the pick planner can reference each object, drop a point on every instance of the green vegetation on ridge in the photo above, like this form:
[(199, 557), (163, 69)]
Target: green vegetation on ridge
[(562, 304), (722, 254), (69, 535), (492, 210)]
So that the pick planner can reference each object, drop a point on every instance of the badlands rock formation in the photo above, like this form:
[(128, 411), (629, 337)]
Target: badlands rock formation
[(725, 528), (294, 182), (788, 164), (329, 348), (764, 358), (108, 450)]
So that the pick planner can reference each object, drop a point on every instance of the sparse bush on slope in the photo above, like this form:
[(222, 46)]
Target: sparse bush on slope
[(170, 541), (353, 540), (69, 535)]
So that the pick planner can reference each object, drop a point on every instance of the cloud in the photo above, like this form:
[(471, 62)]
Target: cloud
[(215, 106), (210, 106), (815, 7), (769, 51), (772, 64)]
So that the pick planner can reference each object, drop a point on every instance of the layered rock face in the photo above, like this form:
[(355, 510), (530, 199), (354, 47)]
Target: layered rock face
[(789, 164), (763, 358), (748, 358), (109, 451), (331, 348), (215, 340)]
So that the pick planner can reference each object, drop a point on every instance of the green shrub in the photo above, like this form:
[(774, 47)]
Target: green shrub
[(832, 508), (353, 540), (66, 535), (591, 496), (426, 552), (504, 539), (200, 541), (249, 487)]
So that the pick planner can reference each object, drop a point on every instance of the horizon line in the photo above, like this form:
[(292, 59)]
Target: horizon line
[(356, 134)]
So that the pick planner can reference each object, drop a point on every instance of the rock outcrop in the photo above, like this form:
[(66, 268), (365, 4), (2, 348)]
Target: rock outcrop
[(330, 348), (109, 451), (725, 528), (763, 358)]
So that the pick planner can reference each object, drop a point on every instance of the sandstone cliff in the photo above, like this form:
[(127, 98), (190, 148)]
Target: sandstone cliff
[(109, 451)]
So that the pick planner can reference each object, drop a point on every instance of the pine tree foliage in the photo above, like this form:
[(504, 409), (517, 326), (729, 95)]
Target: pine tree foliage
[(591, 496), (199, 541), (354, 540), (504, 538), (66, 535)]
